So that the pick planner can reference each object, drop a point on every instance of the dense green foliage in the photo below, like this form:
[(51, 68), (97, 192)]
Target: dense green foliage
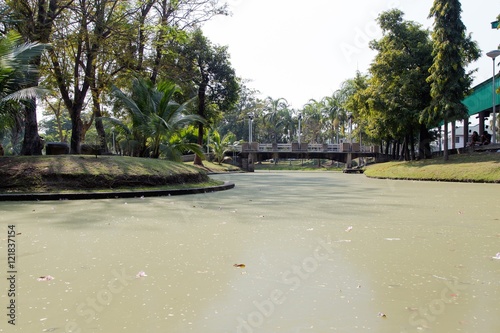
[(392, 98), (103, 51), (155, 117), (453, 50), (99, 43)]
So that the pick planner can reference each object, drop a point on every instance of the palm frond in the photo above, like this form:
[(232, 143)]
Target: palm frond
[(25, 94)]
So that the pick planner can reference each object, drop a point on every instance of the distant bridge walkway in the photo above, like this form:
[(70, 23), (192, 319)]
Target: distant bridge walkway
[(343, 152)]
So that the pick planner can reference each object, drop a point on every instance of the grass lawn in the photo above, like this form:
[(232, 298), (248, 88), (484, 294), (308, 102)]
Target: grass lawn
[(83, 172), (474, 167)]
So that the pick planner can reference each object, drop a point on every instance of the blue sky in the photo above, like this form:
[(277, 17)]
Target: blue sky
[(300, 50)]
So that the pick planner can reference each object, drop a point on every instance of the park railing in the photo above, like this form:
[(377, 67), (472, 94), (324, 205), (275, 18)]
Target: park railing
[(256, 147)]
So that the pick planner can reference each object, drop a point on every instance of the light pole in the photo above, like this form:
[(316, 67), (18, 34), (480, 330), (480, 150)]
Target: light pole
[(250, 121), (349, 117), (300, 118), (493, 54)]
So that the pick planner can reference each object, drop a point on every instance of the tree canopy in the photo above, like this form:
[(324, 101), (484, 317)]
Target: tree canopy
[(452, 51)]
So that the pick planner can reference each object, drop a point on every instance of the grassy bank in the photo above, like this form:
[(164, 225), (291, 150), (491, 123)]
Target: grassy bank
[(80, 173), (475, 167)]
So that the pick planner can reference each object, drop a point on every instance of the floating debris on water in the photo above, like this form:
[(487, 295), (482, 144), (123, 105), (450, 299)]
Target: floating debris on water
[(45, 278), (141, 274), (239, 265)]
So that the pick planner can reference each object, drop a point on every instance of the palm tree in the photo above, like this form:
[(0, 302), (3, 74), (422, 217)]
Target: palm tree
[(17, 86), (220, 145), (313, 121), (155, 117), (15, 73), (15, 68), (275, 112)]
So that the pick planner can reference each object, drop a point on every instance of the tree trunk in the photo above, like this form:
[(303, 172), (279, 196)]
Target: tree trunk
[(32, 143), (404, 150), (101, 133), (445, 141), (412, 146), (424, 145), (453, 135), (76, 131)]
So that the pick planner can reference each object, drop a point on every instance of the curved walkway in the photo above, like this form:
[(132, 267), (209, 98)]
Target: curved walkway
[(111, 194)]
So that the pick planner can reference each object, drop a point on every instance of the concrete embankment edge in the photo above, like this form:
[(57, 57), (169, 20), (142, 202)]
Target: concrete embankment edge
[(112, 194)]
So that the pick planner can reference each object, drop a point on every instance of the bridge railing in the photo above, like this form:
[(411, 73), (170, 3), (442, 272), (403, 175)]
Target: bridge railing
[(304, 147)]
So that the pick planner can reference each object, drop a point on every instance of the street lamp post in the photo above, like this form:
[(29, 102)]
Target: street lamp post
[(493, 54), (349, 117), (300, 118), (250, 121)]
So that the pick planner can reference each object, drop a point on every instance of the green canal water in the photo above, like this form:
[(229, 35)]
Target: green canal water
[(314, 252)]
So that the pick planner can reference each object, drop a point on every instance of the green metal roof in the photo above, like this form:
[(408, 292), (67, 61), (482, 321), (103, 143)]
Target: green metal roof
[(481, 98)]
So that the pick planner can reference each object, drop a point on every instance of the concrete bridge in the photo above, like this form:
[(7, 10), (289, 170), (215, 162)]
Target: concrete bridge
[(251, 153)]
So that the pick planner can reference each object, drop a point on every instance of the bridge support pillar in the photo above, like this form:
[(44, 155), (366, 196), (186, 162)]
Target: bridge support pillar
[(251, 162), (248, 163), (348, 163)]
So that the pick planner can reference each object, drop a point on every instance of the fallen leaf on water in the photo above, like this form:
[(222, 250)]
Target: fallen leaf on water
[(239, 265), (45, 278)]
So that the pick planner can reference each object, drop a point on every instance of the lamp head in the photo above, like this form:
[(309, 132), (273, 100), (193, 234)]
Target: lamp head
[(493, 54)]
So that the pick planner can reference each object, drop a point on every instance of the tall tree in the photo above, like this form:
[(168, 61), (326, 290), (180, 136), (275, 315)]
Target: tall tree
[(333, 112), (235, 120), (174, 18), (398, 88), (312, 121), (274, 119), (208, 67), (35, 20), (453, 50), (81, 61)]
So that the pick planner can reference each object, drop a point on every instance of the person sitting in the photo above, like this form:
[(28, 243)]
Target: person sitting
[(485, 138), (474, 139)]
